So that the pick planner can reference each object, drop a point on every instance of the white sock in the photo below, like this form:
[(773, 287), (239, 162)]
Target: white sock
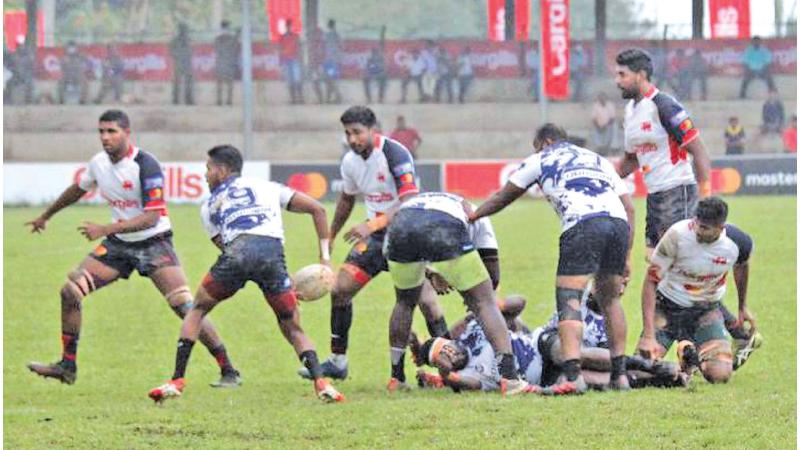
[(338, 359), (396, 354)]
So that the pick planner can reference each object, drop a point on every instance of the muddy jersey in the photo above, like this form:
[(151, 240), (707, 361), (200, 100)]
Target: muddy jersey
[(133, 185), (594, 327), (578, 183), (480, 232), (245, 205), (385, 176), (691, 273), (657, 130)]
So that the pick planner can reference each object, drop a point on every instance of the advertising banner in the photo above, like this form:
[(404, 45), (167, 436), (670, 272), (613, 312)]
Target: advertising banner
[(41, 183), (729, 18), (555, 48), (278, 12), (496, 20), (323, 181)]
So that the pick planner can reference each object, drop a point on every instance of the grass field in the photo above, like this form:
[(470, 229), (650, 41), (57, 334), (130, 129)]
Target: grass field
[(129, 334)]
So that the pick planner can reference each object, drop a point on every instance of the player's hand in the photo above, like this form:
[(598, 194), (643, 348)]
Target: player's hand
[(648, 348), (744, 316), (359, 232), (92, 231), (37, 225), (440, 285)]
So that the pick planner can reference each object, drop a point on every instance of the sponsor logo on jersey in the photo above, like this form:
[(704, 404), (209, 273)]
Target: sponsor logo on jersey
[(380, 197), (403, 168), (681, 116), (381, 177), (647, 147), (720, 260), (155, 194), (127, 185), (407, 178), (647, 126)]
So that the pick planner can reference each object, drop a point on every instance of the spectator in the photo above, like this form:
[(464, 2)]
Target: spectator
[(21, 68), (604, 116), (428, 55), (577, 68), (415, 71), (790, 136), (772, 115), (316, 58), (698, 70), (756, 61), (444, 75), (226, 51), (74, 67), (407, 136), (465, 73), (180, 48), (332, 64), (113, 75), (532, 63), (289, 45), (734, 137), (375, 70)]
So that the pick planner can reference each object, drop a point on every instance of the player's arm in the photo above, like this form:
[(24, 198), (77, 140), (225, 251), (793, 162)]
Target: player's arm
[(661, 260), (302, 203), (741, 271), (459, 382), (630, 211), (702, 165), (71, 194), (680, 127), (627, 165), (147, 219), (498, 201), (344, 207)]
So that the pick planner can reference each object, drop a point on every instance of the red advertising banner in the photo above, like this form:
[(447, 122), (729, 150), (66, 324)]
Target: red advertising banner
[(151, 62), (15, 28), (278, 12), (555, 48), (496, 20), (729, 18)]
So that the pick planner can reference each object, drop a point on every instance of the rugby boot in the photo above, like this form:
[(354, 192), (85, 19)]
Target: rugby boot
[(688, 358), (61, 371), (620, 384), (517, 386), (396, 385), (168, 390), (744, 348), (326, 392), (330, 369), (575, 387), (229, 379), (429, 380)]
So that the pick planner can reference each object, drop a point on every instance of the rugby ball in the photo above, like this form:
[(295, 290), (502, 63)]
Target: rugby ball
[(313, 282)]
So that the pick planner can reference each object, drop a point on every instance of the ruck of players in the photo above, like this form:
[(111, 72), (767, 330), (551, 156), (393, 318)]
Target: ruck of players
[(434, 243)]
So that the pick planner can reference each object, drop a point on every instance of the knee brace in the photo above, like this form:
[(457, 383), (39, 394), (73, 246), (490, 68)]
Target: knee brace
[(81, 283), (284, 304), (568, 304), (180, 300)]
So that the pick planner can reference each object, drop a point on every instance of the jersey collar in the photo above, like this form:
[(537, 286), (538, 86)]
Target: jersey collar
[(377, 142), (224, 184), (651, 92)]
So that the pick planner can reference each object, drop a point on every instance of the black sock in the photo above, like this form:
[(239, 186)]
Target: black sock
[(438, 328), (341, 319), (182, 357), (572, 369), (505, 365), (221, 355), (399, 371), (69, 343), (617, 367), (310, 361)]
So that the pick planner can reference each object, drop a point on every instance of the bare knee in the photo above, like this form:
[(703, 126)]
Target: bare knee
[(180, 300), (80, 283)]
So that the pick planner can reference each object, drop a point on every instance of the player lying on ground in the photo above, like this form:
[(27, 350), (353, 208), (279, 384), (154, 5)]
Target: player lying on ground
[(685, 284), (381, 170), (243, 218), (467, 362), (139, 238)]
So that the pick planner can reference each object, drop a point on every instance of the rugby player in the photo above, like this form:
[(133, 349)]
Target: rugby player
[(467, 362), (140, 238), (597, 220), (431, 229), (381, 170), (685, 283), (243, 219)]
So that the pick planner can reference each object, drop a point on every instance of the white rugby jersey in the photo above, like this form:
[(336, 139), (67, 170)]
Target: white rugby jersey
[(578, 183), (481, 232), (246, 205), (133, 185), (594, 327), (482, 365), (691, 273), (385, 176), (657, 130)]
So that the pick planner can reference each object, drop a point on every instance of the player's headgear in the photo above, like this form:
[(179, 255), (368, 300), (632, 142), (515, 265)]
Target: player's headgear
[(712, 210), (118, 116), (227, 155), (636, 60), (436, 348), (359, 114)]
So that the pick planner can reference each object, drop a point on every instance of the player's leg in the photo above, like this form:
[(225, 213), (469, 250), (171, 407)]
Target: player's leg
[(91, 275), (408, 281), (171, 282), (744, 341), (432, 311), (714, 349)]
